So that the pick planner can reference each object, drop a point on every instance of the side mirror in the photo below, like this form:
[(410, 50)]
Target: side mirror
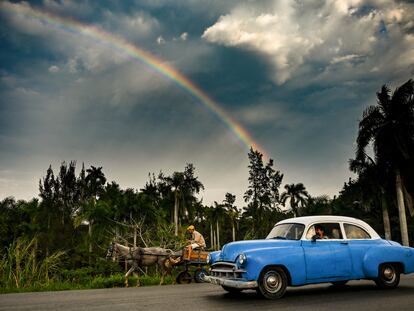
[(315, 237)]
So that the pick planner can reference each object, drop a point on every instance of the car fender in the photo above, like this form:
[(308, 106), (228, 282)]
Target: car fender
[(292, 258), (214, 256), (376, 256)]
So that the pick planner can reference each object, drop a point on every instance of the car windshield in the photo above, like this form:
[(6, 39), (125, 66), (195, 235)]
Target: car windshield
[(287, 232)]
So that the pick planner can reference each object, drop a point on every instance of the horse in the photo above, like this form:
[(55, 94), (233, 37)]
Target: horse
[(139, 257)]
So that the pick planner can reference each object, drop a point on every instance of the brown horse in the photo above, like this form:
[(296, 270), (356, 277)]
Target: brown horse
[(139, 257)]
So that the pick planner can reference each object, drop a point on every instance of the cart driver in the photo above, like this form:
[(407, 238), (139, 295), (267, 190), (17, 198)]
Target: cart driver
[(197, 240)]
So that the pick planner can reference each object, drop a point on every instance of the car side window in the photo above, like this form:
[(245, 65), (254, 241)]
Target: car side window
[(325, 231), (355, 232)]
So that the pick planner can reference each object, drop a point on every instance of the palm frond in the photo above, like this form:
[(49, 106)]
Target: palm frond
[(384, 97), (404, 93), (372, 120)]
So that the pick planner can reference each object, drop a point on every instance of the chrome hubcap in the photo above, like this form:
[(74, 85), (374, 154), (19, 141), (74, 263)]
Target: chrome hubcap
[(389, 274), (272, 282)]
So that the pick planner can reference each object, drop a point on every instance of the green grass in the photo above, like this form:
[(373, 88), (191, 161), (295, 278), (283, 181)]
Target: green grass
[(20, 272), (89, 282), (20, 269)]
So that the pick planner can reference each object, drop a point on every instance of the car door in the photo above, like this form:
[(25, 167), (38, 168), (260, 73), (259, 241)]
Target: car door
[(359, 242), (327, 258)]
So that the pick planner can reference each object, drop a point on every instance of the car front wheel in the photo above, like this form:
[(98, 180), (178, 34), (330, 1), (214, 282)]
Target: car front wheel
[(272, 283), (388, 277)]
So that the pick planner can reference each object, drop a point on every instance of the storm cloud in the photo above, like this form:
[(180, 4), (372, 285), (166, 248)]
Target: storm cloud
[(295, 74)]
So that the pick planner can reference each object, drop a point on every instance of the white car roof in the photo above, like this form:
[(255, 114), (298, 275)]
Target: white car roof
[(308, 220)]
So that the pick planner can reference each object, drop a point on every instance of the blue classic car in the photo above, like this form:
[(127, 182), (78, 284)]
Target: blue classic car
[(309, 250)]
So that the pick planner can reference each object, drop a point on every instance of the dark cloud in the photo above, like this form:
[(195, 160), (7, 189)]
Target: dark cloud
[(67, 97)]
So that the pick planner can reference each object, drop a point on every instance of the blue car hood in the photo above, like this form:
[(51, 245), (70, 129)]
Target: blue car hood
[(230, 251)]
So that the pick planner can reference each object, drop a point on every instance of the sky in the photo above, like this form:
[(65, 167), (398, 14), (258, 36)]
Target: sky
[(144, 86)]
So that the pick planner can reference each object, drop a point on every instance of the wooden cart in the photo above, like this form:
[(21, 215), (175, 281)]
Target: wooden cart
[(197, 259)]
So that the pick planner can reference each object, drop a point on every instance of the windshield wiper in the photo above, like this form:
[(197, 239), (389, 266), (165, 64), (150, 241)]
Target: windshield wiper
[(280, 237)]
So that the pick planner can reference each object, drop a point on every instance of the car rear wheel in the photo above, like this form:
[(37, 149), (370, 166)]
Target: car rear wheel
[(272, 283), (388, 276)]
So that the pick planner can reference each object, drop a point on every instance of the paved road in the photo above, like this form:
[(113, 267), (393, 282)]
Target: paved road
[(358, 295)]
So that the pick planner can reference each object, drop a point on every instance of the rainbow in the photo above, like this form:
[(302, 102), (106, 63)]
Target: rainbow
[(126, 48)]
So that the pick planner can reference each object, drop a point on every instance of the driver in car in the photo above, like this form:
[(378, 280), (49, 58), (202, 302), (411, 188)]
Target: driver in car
[(320, 232)]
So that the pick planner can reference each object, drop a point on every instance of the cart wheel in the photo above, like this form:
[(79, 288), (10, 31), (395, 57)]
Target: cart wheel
[(183, 278), (199, 274)]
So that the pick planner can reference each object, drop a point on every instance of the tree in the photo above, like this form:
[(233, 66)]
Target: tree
[(95, 182), (217, 213), (191, 187), (48, 194), (262, 194), (355, 200), (176, 182), (274, 180), (297, 196), (319, 205), (372, 179), (152, 191), (232, 212), (209, 217), (60, 201), (66, 191), (19, 220), (389, 125), (7, 222), (184, 185)]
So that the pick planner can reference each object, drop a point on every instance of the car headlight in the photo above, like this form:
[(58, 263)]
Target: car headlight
[(242, 259), (208, 259)]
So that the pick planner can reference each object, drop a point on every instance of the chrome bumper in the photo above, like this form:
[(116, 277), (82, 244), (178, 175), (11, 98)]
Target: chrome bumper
[(230, 283)]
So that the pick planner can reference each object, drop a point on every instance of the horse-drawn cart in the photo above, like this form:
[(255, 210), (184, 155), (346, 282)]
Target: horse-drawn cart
[(195, 258)]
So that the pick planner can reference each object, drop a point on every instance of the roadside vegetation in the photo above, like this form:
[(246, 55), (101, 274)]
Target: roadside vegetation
[(59, 240)]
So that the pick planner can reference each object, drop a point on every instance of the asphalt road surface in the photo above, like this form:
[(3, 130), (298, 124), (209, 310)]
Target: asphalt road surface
[(356, 295)]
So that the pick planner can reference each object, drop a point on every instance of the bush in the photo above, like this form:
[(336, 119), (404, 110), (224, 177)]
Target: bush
[(20, 269)]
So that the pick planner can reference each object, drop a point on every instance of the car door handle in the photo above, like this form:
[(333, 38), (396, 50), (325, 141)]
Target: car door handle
[(344, 242)]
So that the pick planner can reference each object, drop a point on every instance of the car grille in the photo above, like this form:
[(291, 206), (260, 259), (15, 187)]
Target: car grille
[(226, 270)]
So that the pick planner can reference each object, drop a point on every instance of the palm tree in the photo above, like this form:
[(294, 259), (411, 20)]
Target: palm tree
[(232, 212), (191, 186), (184, 185), (176, 182), (297, 195), (389, 125), (217, 214), (210, 218), (95, 182)]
